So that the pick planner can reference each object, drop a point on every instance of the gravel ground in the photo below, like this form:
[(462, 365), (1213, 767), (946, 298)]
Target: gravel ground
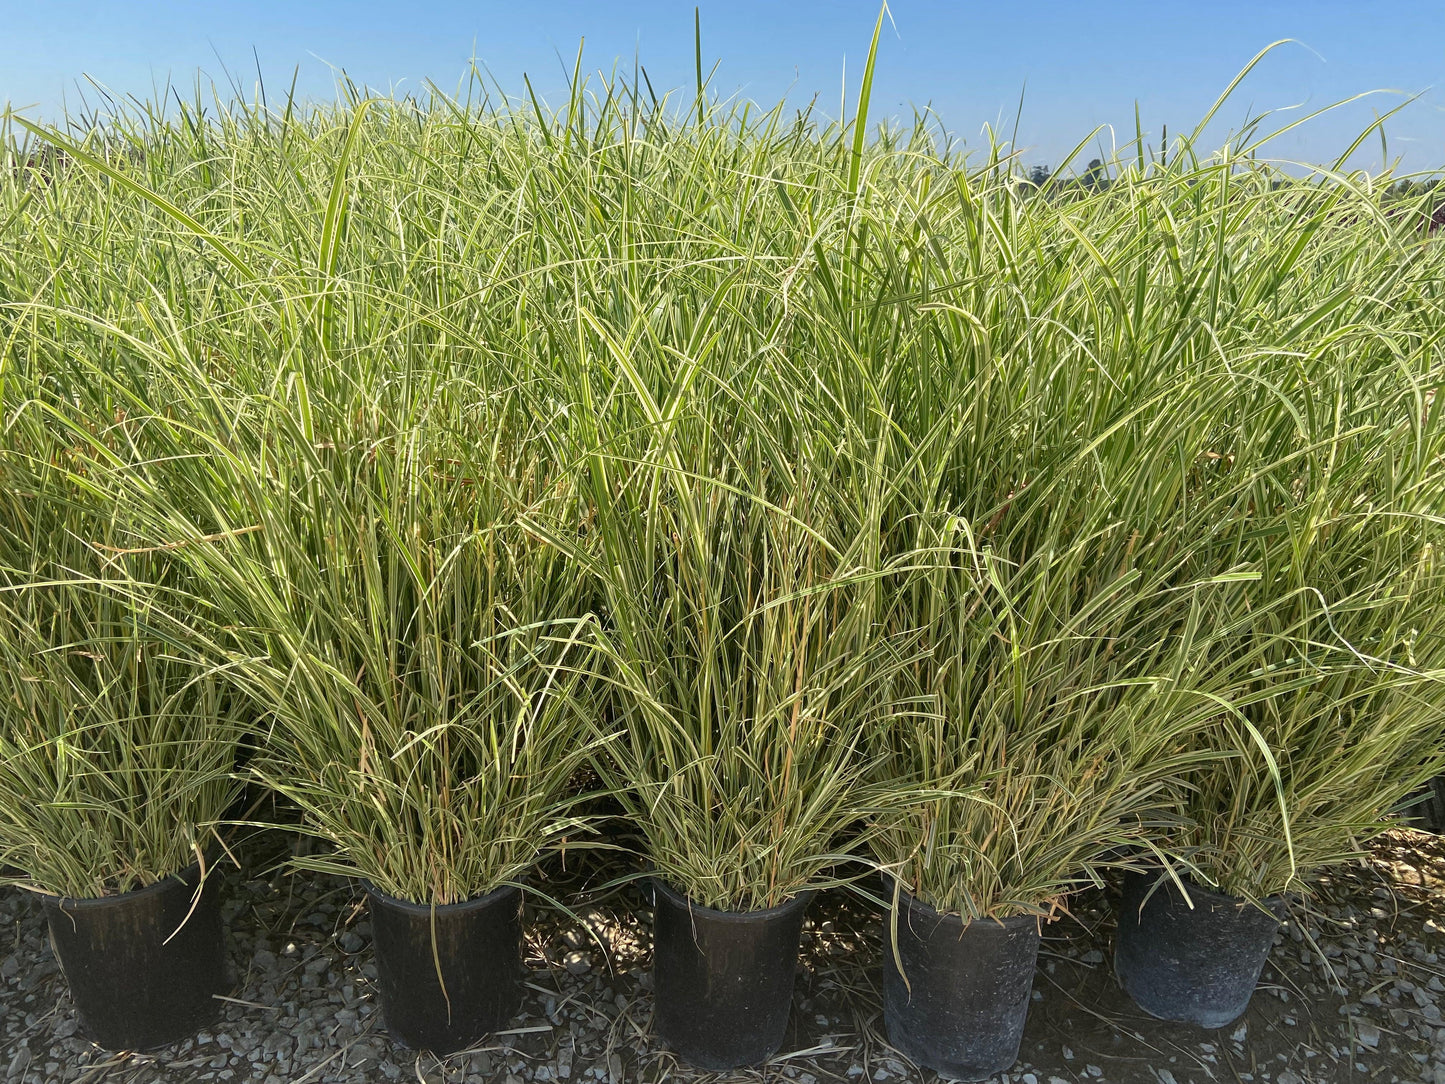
[(1353, 993)]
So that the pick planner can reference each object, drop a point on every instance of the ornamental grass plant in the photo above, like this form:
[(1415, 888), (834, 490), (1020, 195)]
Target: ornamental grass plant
[(1083, 540), (1325, 661), (1315, 517), (119, 728), (426, 661), (748, 669), (826, 487), (1332, 721)]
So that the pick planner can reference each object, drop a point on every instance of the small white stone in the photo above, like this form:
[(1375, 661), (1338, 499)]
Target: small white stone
[(577, 963)]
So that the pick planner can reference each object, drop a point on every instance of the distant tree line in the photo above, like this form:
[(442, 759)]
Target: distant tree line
[(1095, 178)]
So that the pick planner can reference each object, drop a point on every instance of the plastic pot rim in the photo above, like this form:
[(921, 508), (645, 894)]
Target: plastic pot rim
[(190, 876), (913, 903), (496, 895), (673, 896), (1269, 904)]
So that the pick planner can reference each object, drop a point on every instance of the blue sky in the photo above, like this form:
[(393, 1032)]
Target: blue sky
[(1082, 64)]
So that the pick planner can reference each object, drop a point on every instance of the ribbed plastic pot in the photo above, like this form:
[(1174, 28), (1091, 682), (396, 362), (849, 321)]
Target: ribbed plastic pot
[(723, 980), (447, 975), (1198, 965), (144, 967), (961, 1011), (1427, 811)]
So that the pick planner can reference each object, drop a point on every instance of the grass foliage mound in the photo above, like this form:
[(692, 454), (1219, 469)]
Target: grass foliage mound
[(815, 490)]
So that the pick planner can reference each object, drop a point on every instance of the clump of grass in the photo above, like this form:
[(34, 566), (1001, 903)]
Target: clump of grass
[(1325, 662), (119, 727), (1039, 745), (1332, 725), (748, 670), (420, 663)]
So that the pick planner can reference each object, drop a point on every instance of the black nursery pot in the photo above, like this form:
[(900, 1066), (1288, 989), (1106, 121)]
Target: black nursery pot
[(723, 980), (144, 967), (962, 1010), (478, 945), (1198, 966)]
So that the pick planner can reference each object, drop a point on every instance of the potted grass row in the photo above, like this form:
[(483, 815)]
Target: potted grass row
[(843, 513), (964, 920), (442, 818)]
